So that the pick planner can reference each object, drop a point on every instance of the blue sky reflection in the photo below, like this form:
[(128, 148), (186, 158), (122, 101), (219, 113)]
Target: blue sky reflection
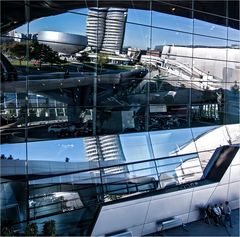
[(75, 22), (55, 150)]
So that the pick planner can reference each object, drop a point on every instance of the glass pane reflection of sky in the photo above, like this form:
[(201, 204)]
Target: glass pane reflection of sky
[(64, 23), (167, 142), (216, 136), (135, 146), (177, 22), (54, 150), (58, 150), (165, 165), (17, 150)]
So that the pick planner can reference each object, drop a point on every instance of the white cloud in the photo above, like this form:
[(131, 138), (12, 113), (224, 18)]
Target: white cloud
[(66, 146)]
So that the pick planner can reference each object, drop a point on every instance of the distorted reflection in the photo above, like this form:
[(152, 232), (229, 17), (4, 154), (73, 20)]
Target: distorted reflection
[(101, 101), (206, 28), (89, 77), (136, 146), (216, 136), (179, 170), (172, 142)]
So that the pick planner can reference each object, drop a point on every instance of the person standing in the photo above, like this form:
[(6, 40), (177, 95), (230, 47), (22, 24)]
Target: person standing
[(227, 211), (217, 214), (222, 209), (208, 214)]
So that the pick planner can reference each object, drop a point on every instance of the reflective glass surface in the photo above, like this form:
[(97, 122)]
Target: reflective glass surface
[(233, 34), (210, 29), (172, 142), (136, 146), (104, 100), (92, 73), (160, 19)]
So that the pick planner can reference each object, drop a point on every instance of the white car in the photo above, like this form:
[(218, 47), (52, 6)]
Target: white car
[(61, 128)]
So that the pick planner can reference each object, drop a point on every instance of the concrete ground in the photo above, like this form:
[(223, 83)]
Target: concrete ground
[(200, 228)]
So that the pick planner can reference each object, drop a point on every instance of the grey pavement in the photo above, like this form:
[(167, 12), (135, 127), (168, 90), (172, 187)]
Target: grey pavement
[(200, 228)]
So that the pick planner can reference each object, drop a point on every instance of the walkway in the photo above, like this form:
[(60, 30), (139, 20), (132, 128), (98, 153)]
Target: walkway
[(199, 228)]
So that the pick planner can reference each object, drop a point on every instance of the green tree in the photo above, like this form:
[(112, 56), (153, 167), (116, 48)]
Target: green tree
[(31, 229), (7, 231), (4, 47), (102, 59), (10, 157), (84, 57), (50, 56), (49, 228), (43, 53), (35, 51), (3, 157), (18, 50)]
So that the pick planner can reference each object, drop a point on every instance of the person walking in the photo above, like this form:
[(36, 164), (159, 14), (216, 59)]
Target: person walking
[(227, 210)]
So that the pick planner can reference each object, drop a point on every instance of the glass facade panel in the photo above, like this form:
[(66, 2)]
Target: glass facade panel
[(233, 57), (231, 5), (214, 7), (16, 151), (131, 178), (160, 19), (14, 121), (120, 119), (233, 34), (179, 170), (181, 4), (231, 105), (209, 29), (54, 197), (136, 146), (140, 16), (170, 38), (209, 44), (135, 32), (233, 132), (13, 205), (65, 20), (101, 101), (72, 148), (203, 136), (172, 142)]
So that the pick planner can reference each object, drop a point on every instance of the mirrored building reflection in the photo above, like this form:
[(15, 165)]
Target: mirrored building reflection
[(105, 29), (129, 104)]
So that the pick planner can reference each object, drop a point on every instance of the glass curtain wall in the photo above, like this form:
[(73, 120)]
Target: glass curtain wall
[(102, 101), (118, 70)]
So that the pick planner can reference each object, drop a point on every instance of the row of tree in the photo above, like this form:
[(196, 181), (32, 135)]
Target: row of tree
[(102, 58), (39, 52), (3, 157), (44, 54), (49, 229)]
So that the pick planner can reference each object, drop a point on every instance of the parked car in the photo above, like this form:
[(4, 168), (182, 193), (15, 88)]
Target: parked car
[(59, 128)]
